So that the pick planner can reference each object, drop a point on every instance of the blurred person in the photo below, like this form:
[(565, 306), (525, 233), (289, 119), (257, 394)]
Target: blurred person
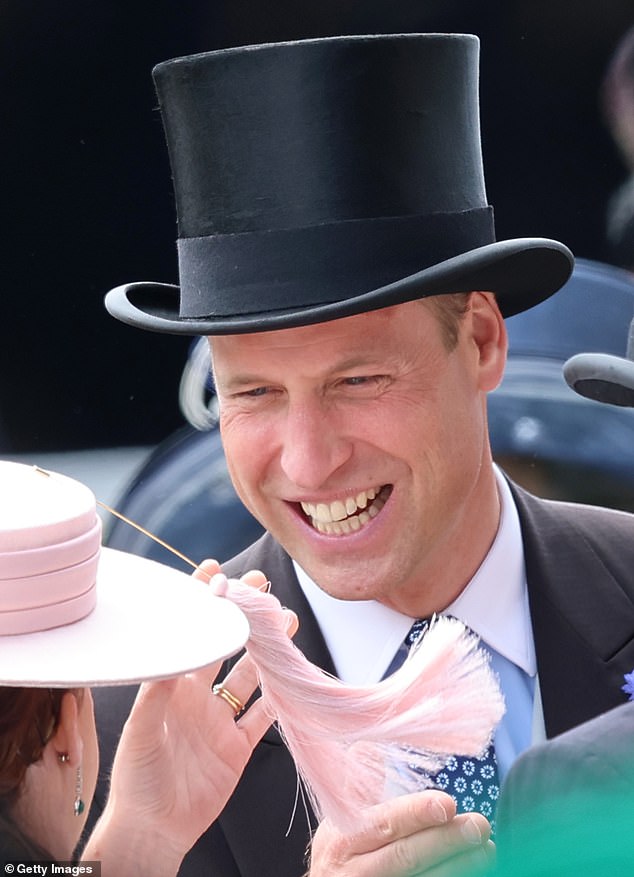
[(72, 616), (617, 94), (336, 246), (618, 104), (567, 805), (620, 225)]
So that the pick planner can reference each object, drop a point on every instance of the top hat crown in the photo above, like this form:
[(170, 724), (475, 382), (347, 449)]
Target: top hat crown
[(323, 178)]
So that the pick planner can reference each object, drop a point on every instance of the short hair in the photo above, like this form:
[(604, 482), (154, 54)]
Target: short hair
[(449, 310)]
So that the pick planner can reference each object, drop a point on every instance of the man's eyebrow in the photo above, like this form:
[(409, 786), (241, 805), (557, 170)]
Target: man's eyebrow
[(364, 360), (235, 381), (357, 361)]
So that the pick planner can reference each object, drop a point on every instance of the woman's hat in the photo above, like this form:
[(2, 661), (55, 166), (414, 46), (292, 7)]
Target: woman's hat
[(329, 177), (74, 614)]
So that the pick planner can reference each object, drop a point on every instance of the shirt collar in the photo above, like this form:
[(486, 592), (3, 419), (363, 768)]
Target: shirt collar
[(363, 636), (495, 602)]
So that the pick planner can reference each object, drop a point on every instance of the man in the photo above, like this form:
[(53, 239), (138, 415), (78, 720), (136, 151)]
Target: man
[(336, 246)]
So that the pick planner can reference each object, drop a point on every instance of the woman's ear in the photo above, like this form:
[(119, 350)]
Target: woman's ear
[(67, 739), (489, 334)]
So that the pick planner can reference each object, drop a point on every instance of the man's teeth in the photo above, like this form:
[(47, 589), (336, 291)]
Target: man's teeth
[(338, 510), (344, 516)]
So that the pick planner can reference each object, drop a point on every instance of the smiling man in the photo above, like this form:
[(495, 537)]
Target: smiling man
[(337, 248), (361, 443)]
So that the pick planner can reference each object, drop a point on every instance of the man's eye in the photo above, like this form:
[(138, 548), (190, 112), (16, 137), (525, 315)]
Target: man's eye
[(256, 391), (362, 380)]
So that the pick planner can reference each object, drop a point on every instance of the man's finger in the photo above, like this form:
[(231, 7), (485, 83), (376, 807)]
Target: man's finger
[(401, 817), (474, 862)]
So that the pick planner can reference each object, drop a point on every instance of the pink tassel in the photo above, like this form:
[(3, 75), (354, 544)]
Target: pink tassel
[(357, 745)]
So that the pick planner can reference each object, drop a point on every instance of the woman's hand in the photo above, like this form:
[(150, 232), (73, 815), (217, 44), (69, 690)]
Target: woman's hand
[(183, 751), (181, 754)]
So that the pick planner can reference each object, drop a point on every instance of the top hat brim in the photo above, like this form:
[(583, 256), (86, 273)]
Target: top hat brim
[(602, 377), (521, 272)]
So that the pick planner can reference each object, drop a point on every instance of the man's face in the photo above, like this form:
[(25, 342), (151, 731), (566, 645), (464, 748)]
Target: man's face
[(361, 445)]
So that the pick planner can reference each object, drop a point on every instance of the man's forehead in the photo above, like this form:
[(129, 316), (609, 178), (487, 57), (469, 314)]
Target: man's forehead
[(350, 329), (371, 340)]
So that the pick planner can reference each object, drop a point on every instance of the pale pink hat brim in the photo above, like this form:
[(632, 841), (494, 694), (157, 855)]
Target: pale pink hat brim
[(150, 622)]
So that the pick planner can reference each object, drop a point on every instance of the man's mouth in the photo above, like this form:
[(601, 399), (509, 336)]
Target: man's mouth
[(344, 516)]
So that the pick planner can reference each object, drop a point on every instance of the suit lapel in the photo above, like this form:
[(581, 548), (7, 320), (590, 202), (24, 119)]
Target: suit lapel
[(268, 556), (581, 611), (267, 804)]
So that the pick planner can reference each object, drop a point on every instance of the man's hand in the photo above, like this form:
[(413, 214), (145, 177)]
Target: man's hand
[(406, 836)]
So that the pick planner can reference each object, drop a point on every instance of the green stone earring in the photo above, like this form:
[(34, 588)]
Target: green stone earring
[(78, 805)]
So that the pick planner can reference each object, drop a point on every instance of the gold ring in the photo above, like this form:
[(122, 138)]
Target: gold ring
[(236, 705)]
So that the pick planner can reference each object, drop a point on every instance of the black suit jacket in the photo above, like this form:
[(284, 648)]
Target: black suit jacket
[(580, 574)]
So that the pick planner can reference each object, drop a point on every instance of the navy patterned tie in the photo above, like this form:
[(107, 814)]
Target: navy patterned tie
[(473, 783)]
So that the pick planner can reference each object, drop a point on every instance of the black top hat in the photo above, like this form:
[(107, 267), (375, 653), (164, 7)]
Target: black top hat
[(328, 177)]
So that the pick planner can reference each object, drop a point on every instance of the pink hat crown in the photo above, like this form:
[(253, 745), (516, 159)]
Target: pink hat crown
[(50, 539)]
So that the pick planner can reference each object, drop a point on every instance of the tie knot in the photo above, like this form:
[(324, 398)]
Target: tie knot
[(416, 632)]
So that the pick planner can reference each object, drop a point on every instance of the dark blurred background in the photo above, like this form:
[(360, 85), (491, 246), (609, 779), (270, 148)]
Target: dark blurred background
[(86, 193)]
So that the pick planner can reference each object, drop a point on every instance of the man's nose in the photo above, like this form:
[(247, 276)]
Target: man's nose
[(313, 446)]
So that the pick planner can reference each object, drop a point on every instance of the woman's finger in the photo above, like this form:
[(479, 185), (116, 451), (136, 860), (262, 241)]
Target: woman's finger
[(206, 570), (240, 683), (255, 721), (238, 687), (255, 578)]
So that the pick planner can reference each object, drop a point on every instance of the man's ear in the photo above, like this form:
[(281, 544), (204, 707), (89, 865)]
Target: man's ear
[(67, 739), (489, 334)]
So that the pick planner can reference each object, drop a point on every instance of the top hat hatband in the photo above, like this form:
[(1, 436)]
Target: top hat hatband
[(324, 178)]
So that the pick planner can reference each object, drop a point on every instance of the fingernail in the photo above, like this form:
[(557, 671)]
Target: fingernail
[(438, 812), (471, 831)]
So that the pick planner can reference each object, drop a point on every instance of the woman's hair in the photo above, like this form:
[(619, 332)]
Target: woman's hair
[(28, 719)]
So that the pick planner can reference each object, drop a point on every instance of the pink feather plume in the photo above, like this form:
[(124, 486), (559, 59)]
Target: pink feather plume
[(357, 745)]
